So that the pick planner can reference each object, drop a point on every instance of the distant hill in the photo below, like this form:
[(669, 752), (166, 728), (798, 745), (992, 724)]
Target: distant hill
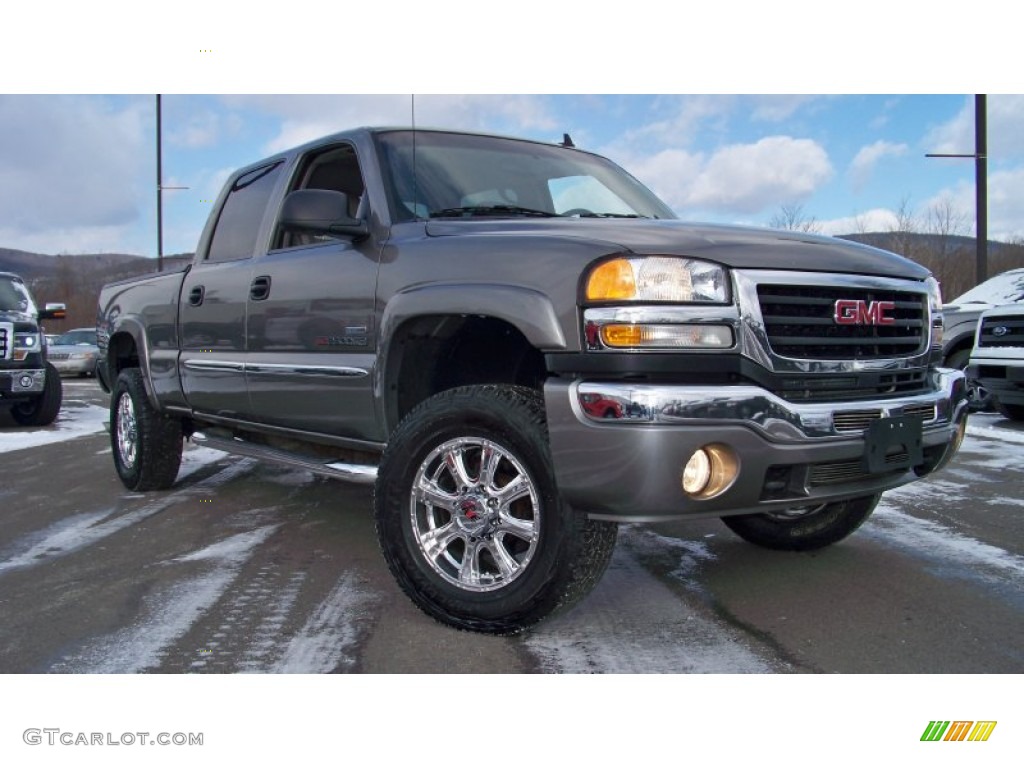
[(894, 241), (32, 266), (76, 280)]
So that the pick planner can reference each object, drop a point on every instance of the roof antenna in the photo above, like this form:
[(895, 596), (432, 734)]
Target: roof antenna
[(567, 140), (415, 191)]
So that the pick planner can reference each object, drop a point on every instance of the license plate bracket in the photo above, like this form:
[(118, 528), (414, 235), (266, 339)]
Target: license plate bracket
[(893, 443)]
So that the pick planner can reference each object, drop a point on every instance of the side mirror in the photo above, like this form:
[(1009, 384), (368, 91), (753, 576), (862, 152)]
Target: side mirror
[(322, 211), (54, 312)]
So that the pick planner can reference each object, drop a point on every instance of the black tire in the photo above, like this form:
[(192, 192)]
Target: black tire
[(1012, 411), (804, 528), (533, 555), (146, 443), (43, 410), (978, 398)]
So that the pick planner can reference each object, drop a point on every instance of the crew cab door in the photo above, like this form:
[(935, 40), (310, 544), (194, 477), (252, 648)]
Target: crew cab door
[(311, 316), (214, 296)]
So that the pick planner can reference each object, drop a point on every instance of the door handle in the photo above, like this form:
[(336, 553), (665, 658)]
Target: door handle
[(195, 296), (260, 288)]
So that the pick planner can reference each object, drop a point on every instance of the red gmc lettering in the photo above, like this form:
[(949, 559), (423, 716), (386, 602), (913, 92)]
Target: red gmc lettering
[(859, 312)]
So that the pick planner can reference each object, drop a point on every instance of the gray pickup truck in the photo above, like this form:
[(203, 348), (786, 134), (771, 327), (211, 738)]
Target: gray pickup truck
[(522, 347)]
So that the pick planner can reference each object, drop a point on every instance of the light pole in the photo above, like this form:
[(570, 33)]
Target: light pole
[(980, 184), (160, 191)]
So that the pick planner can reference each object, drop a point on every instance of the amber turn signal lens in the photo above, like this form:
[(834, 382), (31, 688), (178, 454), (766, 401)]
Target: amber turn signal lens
[(611, 281)]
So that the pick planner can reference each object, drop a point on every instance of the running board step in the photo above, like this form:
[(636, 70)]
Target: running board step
[(362, 474)]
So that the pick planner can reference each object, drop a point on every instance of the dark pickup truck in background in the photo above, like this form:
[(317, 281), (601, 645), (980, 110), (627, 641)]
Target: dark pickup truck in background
[(521, 347), (29, 384)]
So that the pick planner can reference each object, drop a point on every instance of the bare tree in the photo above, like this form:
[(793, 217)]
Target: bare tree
[(791, 217), (949, 258)]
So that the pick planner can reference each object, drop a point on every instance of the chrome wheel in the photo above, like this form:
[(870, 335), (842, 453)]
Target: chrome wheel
[(127, 431), (475, 514)]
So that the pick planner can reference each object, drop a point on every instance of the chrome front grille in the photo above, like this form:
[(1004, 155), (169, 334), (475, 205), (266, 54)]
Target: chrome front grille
[(855, 421), (858, 421), (6, 333), (800, 322)]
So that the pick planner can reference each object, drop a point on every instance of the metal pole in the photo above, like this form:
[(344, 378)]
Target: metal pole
[(159, 194), (981, 183)]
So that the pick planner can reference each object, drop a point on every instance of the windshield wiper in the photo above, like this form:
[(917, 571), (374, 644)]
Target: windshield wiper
[(592, 215), (488, 210)]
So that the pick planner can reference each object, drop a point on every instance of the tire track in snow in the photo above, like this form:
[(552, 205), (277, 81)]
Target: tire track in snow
[(252, 618), (632, 623), (171, 612), (323, 643), (73, 534)]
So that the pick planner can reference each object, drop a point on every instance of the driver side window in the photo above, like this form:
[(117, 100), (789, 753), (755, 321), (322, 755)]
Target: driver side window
[(336, 169)]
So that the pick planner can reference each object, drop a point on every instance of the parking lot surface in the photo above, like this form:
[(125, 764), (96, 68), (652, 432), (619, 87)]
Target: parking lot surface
[(248, 567)]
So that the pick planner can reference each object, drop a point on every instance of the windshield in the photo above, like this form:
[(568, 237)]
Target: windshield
[(77, 337), (14, 297), (458, 175)]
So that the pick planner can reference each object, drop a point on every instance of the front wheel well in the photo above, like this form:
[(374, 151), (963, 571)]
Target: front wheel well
[(428, 355)]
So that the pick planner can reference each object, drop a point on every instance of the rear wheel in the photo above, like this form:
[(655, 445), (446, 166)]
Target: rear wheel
[(146, 443), (804, 528), (469, 518), (43, 410)]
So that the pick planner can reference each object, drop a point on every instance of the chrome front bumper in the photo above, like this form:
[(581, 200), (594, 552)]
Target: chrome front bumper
[(619, 448), (23, 382)]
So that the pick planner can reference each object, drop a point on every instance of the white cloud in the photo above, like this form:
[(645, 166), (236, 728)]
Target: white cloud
[(73, 171), (866, 159), (737, 179), (1005, 203), (204, 128), (775, 109), (1005, 116), (307, 117)]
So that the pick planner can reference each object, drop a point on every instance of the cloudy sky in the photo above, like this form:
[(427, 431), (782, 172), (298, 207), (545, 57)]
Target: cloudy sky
[(77, 173)]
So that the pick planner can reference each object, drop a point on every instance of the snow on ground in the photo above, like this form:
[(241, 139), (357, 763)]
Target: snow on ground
[(322, 643), (995, 426), (632, 623), (74, 533), (942, 544), (76, 419), (171, 612), (195, 457)]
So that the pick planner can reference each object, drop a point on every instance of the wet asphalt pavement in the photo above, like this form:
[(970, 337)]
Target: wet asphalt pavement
[(248, 567)]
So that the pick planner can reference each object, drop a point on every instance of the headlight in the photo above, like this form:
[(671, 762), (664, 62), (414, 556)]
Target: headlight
[(657, 279), (935, 305), (24, 343), (934, 293)]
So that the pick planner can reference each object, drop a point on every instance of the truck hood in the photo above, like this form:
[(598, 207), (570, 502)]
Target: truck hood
[(737, 247)]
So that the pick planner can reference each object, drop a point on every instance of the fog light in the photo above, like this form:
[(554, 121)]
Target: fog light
[(697, 472), (710, 471), (26, 382)]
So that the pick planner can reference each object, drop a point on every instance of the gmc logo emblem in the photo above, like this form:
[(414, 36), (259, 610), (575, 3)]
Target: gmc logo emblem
[(859, 312)]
